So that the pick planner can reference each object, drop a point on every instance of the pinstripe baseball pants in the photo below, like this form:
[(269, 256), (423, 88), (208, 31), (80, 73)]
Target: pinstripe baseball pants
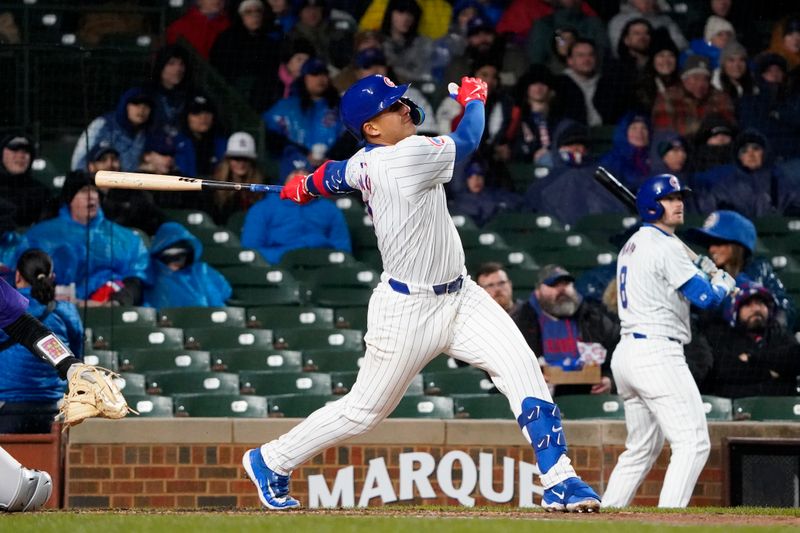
[(661, 400), (404, 332)]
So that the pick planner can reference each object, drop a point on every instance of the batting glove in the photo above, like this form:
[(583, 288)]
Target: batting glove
[(296, 190), (724, 280), (705, 264), (470, 89)]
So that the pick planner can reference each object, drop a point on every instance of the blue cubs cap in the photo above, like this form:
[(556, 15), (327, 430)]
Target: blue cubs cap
[(314, 65)]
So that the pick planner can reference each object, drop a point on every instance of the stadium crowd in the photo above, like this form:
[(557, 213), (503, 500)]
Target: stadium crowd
[(709, 100)]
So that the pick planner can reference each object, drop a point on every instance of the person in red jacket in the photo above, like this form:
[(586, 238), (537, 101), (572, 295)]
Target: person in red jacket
[(200, 25), (521, 14)]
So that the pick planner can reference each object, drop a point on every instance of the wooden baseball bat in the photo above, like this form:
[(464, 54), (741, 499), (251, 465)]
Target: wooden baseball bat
[(624, 195), (161, 182)]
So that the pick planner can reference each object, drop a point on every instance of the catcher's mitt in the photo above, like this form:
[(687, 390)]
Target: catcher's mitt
[(92, 392)]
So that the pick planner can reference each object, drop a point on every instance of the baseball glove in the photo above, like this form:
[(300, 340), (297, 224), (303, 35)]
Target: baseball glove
[(92, 392)]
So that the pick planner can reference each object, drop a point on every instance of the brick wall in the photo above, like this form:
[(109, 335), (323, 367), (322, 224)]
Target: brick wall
[(197, 462)]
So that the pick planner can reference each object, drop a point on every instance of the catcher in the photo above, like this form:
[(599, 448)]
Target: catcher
[(91, 392)]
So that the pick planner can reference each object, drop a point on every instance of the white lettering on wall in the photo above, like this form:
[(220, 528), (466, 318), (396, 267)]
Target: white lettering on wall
[(342, 494), (469, 477), (486, 470), (377, 484), (419, 477)]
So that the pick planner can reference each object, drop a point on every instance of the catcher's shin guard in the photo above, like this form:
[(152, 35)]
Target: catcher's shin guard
[(22, 489)]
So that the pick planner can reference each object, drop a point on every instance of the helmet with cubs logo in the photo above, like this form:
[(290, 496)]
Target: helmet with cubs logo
[(370, 96)]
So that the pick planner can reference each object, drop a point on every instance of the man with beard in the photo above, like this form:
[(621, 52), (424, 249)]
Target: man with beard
[(753, 354), (564, 330)]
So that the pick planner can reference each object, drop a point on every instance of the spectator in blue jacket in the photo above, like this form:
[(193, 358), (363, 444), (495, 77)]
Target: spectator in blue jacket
[(106, 261), (199, 146), (273, 227), (29, 387), (757, 186), (178, 276), (171, 87), (629, 157), (731, 242), (479, 200), (301, 128), (125, 129), (12, 244)]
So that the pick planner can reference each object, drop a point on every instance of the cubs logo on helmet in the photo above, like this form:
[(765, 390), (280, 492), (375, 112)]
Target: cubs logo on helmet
[(653, 190)]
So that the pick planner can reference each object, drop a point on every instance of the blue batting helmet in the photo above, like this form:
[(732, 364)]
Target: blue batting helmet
[(653, 190), (725, 226), (370, 96)]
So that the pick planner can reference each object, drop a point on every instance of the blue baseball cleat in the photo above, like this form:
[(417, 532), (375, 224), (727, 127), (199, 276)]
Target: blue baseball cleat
[(273, 489), (571, 495)]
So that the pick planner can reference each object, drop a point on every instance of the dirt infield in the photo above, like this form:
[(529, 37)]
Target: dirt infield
[(693, 517)]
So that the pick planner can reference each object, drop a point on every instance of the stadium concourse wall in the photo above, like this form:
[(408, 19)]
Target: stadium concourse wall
[(194, 463)]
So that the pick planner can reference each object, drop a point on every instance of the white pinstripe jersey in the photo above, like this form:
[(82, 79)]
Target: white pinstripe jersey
[(650, 268), (402, 186)]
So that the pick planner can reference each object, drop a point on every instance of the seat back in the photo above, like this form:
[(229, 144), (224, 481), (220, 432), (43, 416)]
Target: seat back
[(220, 405)]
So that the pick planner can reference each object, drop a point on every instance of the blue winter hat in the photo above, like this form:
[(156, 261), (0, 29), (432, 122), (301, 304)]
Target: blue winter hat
[(478, 24), (160, 143), (100, 149), (370, 57), (726, 227), (314, 65)]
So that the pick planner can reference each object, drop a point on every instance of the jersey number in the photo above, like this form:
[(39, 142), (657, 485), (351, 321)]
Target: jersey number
[(623, 280)]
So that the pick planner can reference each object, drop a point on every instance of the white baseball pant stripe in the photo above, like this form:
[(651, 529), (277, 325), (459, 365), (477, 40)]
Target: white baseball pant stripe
[(404, 333), (661, 400)]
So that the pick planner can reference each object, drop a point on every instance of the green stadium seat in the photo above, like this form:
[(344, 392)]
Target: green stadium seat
[(784, 244), (105, 358), (342, 382), (257, 276), (362, 236), (767, 408), (235, 222), (463, 222), (575, 260), (355, 276), (510, 222), (144, 361), (424, 407), (268, 383), (309, 258), (241, 359), (352, 209), (579, 406), (131, 384), (261, 296), (220, 405), (192, 382), (190, 218), (341, 296), (283, 317), (481, 406), (297, 405), (351, 317), (222, 337), (522, 175), (319, 338), (151, 406), (473, 238), (785, 263), (601, 138), (216, 237), (197, 317), (108, 317), (370, 257), (717, 408), (462, 381), (523, 281), (511, 258), (133, 337), (776, 225), (548, 241), (332, 360), (441, 362), (224, 257), (605, 223)]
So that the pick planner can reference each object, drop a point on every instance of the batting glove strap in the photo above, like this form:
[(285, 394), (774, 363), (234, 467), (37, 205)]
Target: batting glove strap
[(296, 190), (705, 264), (723, 280), (470, 89)]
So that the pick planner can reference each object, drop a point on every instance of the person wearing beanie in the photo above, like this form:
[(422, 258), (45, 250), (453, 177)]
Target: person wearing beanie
[(30, 388), (200, 25), (754, 354), (682, 108), (660, 73), (106, 261), (717, 33), (569, 192), (669, 154), (648, 10), (785, 40), (568, 13), (178, 275), (248, 54), (730, 239), (629, 157), (733, 75), (30, 198), (199, 145), (124, 129), (757, 187), (539, 113), (170, 86)]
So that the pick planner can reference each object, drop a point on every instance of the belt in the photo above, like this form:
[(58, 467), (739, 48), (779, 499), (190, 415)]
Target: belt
[(438, 290), (643, 336)]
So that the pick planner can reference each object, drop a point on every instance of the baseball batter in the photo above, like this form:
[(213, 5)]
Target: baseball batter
[(425, 304), (657, 282), (24, 489)]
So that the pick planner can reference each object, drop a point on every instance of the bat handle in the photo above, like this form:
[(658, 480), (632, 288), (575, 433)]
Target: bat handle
[(257, 187)]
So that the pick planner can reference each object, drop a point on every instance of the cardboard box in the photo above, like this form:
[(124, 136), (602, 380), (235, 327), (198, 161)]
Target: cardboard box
[(555, 375)]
